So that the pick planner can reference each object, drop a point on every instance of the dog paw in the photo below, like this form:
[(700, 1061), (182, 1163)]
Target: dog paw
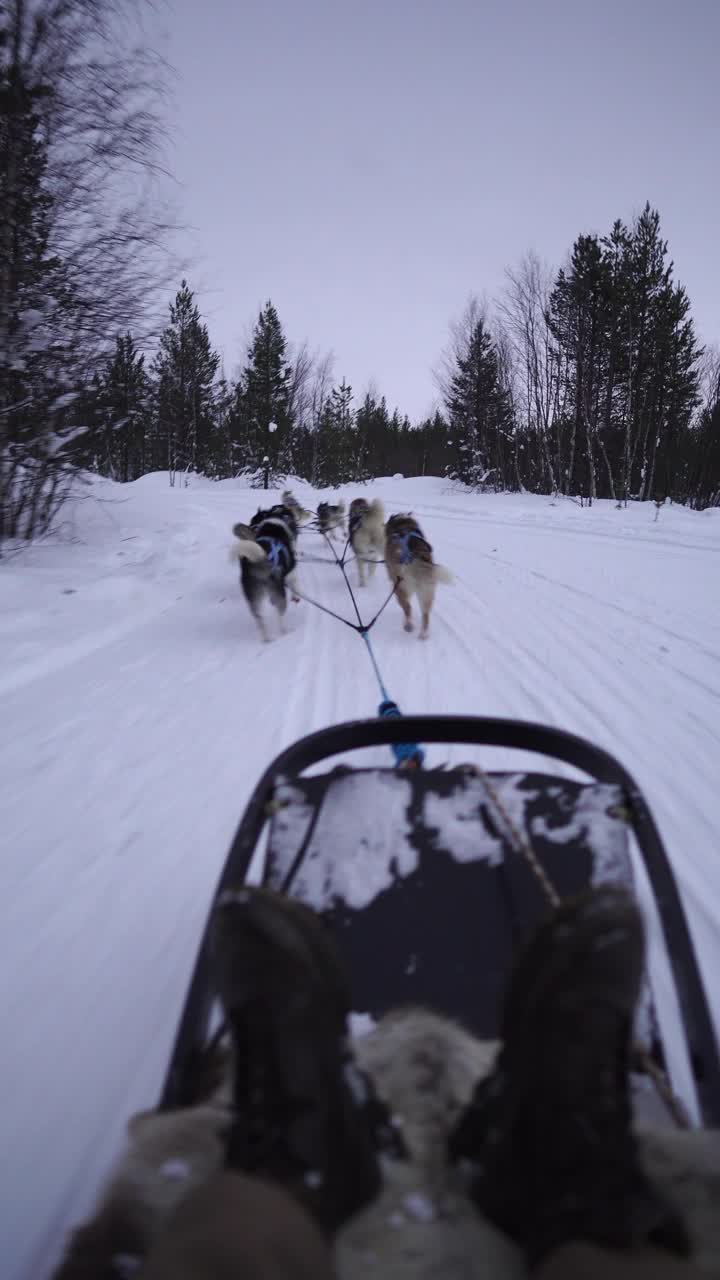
[(408, 626)]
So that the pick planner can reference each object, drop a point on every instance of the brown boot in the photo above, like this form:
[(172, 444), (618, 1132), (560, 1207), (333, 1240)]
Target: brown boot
[(548, 1135), (305, 1116)]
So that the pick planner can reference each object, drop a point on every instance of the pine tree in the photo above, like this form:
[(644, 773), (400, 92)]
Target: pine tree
[(702, 451), (626, 345), (185, 370), (431, 453), (479, 413), (579, 322), (261, 422), (663, 373), (335, 440), (123, 398), (375, 438), (222, 460)]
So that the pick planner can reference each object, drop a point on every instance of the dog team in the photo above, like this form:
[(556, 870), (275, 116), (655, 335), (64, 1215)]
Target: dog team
[(266, 550)]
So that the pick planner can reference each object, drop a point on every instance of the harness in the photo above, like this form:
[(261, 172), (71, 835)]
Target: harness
[(403, 541), (276, 552), (354, 521)]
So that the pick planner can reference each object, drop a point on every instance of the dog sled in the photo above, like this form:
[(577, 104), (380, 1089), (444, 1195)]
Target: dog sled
[(431, 877)]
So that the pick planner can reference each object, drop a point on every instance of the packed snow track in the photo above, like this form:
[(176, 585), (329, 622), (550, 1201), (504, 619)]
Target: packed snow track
[(139, 707)]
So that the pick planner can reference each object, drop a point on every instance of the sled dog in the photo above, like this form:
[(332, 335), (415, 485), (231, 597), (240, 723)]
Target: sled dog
[(290, 501), (280, 511), (366, 527), (266, 551), (410, 566), (330, 518)]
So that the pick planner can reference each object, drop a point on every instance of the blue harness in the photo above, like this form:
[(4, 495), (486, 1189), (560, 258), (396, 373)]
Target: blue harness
[(403, 540), (277, 554)]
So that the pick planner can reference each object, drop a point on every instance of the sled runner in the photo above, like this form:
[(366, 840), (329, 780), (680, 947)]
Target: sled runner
[(430, 878)]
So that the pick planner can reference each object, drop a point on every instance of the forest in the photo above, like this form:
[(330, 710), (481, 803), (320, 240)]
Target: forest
[(587, 379)]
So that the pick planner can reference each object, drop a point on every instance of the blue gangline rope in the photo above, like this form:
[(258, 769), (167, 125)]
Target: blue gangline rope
[(407, 754)]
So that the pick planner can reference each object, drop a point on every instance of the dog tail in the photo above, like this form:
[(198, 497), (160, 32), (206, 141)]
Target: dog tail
[(246, 549), (376, 512), (441, 574)]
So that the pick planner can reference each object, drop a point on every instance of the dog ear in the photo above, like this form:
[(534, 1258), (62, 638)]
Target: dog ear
[(243, 531)]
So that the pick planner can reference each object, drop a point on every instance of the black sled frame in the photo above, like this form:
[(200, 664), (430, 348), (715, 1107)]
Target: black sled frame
[(452, 898)]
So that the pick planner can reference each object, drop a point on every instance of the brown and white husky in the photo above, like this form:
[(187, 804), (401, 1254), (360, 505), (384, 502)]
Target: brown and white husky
[(410, 565)]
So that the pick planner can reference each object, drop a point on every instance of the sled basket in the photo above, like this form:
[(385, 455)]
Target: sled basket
[(424, 877)]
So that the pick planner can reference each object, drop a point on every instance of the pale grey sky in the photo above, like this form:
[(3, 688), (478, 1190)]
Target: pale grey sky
[(369, 163)]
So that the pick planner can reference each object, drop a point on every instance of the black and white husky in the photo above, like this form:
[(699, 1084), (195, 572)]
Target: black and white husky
[(330, 518), (266, 551)]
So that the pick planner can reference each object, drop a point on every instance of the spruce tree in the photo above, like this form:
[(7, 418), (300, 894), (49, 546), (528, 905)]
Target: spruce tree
[(663, 362), (579, 321), (626, 346), (185, 370), (124, 394), (374, 438), (261, 421), (335, 454), (430, 447), (478, 411), (702, 451), (222, 460)]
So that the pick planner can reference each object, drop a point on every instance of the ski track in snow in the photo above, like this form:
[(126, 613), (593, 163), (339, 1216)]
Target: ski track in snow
[(140, 708)]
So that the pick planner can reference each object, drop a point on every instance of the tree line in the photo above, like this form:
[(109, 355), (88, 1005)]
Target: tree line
[(283, 415), (587, 381)]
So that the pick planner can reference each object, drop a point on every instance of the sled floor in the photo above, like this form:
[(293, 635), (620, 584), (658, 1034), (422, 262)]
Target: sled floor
[(419, 875)]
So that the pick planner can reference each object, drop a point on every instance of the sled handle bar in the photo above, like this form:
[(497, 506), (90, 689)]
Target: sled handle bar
[(520, 735)]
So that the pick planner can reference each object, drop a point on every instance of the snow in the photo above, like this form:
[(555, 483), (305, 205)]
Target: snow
[(361, 1024), (419, 1206), (508, 798), (379, 849), (139, 707)]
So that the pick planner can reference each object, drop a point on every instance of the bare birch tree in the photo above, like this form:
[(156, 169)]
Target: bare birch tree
[(523, 315), (322, 384), (84, 231)]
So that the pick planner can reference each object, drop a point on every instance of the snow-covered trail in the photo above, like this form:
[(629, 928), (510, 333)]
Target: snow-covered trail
[(134, 748), (140, 707)]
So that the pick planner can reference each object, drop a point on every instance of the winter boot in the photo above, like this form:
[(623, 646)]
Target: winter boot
[(304, 1115), (547, 1136)]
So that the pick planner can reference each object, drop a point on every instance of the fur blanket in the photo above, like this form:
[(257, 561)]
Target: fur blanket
[(421, 1224)]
